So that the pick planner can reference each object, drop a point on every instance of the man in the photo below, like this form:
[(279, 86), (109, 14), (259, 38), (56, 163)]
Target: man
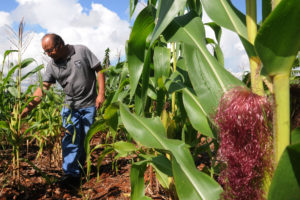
[(74, 67)]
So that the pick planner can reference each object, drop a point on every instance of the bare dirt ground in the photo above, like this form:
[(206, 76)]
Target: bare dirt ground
[(112, 184)]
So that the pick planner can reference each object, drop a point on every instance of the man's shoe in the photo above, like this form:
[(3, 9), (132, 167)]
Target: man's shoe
[(70, 182)]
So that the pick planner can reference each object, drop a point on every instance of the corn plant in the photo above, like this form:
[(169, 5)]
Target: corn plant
[(276, 57), (116, 90), (196, 79), (45, 124), (208, 77), (10, 87)]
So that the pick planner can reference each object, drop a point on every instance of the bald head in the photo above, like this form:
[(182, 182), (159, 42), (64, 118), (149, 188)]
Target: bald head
[(56, 39)]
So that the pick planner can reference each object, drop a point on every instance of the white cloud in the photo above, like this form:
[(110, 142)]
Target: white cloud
[(236, 58), (98, 29), (4, 19)]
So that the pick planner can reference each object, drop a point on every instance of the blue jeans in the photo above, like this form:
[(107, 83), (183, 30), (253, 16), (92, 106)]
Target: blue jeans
[(73, 152)]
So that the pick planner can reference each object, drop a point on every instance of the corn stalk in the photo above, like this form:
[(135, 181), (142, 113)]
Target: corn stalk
[(255, 64)]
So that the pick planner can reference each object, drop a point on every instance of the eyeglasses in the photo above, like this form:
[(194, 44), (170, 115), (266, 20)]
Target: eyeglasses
[(46, 52)]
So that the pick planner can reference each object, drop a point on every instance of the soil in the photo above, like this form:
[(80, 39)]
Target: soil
[(112, 184)]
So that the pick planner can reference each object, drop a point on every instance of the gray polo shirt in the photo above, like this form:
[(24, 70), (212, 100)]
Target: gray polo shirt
[(76, 75)]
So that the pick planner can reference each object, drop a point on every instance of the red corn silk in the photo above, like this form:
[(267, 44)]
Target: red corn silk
[(245, 134)]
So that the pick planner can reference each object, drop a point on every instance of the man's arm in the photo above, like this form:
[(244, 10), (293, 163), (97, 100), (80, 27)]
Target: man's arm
[(37, 94), (101, 91)]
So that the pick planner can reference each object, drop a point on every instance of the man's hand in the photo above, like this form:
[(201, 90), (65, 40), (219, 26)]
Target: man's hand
[(24, 112), (99, 101)]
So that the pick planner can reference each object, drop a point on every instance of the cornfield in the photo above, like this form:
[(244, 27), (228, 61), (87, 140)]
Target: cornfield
[(174, 111)]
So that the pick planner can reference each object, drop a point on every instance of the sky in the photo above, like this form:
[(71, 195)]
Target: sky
[(98, 24)]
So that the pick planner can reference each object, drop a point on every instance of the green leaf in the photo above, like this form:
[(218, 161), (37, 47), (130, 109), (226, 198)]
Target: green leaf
[(175, 82), (277, 42), (295, 136), (266, 8), (217, 30), (151, 133), (123, 147), (161, 60), (144, 130), (195, 5), (138, 102), (163, 164), (105, 152), (4, 125), (183, 185), (286, 180), (9, 74), (219, 54), (168, 9), (143, 26), (162, 178), (209, 79), (26, 62), (137, 181), (13, 91), (145, 79), (163, 169), (132, 6), (110, 111), (95, 128), (38, 68), (226, 15), (6, 53), (196, 113)]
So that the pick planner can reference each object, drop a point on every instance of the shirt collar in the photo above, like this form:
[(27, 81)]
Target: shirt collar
[(71, 53)]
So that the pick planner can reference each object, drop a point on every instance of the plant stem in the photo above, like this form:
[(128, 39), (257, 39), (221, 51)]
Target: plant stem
[(174, 70), (255, 64), (19, 109), (18, 163), (282, 114), (14, 163)]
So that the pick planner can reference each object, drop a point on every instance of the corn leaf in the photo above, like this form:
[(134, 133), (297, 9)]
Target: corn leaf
[(6, 53), (278, 51), (286, 180), (137, 181), (132, 6), (295, 136), (225, 14), (38, 68), (161, 61), (151, 133), (13, 91), (217, 30), (4, 125), (209, 79), (195, 5), (266, 8), (143, 26), (26, 62), (196, 113), (124, 148), (168, 9), (95, 128)]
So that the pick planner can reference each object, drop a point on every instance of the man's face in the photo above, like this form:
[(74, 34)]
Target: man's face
[(51, 49)]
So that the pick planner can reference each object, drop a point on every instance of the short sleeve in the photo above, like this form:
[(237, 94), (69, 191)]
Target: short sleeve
[(48, 76), (93, 60)]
